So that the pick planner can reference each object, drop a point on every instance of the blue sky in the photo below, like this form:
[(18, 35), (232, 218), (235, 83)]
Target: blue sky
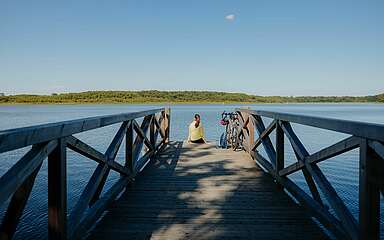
[(272, 47)]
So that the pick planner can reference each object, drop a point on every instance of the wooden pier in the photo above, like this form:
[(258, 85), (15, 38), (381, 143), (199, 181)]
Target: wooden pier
[(175, 190), (196, 191)]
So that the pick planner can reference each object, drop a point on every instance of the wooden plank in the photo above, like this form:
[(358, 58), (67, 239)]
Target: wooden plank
[(263, 162), (19, 172), (279, 148), (97, 209), (201, 189), (250, 135), (294, 167), (246, 130), (139, 141), (143, 161), (167, 113), (378, 147), (347, 220), (16, 206), (159, 146), (313, 206), (143, 135), (266, 141), (295, 141), (57, 191), (85, 197), (99, 189), (310, 182), (327, 219), (84, 149), (165, 124), (22, 137), (301, 155), (369, 196), (371, 131), (338, 148), (264, 134), (113, 148), (312, 186), (152, 132), (377, 174), (157, 132), (158, 124), (129, 158)]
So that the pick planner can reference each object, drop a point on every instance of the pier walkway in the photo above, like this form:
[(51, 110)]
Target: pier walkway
[(195, 191)]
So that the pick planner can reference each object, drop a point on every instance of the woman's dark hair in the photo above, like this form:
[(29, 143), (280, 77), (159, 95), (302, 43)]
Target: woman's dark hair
[(197, 123)]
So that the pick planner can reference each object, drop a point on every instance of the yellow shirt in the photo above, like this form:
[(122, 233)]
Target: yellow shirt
[(195, 133)]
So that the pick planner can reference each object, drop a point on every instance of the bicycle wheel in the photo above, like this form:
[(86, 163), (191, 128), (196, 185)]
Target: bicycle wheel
[(229, 136)]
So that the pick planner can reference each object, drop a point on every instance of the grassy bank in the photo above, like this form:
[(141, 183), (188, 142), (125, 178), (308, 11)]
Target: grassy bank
[(154, 96)]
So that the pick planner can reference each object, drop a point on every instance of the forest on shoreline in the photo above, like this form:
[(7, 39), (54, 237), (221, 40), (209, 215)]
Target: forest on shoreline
[(154, 96)]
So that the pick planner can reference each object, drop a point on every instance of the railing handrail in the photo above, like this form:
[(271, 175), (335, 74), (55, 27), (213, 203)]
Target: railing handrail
[(51, 141), (12, 139), (367, 137), (373, 131)]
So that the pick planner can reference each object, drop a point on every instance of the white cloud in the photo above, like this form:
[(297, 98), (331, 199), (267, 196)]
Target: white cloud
[(230, 17)]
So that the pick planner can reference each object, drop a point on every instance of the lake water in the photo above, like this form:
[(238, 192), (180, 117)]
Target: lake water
[(341, 171)]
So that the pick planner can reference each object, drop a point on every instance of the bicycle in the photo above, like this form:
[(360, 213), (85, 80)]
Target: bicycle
[(232, 136)]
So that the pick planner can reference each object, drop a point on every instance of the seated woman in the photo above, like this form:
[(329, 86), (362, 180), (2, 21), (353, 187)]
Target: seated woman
[(196, 131)]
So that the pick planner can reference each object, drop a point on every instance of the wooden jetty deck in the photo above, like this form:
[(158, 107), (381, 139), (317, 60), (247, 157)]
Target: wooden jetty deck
[(193, 191), (175, 190)]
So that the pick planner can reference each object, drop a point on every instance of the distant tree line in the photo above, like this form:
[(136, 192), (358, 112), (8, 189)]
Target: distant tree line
[(154, 96)]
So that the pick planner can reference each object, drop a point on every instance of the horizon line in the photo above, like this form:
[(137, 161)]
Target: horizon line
[(183, 90)]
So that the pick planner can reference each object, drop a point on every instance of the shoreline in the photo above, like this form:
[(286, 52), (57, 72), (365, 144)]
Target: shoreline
[(179, 103), (178, 97)]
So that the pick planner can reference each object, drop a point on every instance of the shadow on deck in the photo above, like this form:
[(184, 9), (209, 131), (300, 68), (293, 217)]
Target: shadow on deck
[(201, 192)]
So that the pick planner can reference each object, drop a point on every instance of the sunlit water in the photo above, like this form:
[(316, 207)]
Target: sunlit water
[(341, 171)]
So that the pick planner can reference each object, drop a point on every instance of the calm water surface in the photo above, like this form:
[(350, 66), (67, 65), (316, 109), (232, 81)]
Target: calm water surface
[(341, 171)]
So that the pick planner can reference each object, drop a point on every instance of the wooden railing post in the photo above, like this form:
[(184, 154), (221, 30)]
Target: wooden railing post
[(166, 124), (279, 148), (57, 191), (152, 138), (251, 132), (369, 195), (248, 126), (129, 147), (168, 114)]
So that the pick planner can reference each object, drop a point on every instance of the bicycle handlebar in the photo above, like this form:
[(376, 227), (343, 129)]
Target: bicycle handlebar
[(229, 114)]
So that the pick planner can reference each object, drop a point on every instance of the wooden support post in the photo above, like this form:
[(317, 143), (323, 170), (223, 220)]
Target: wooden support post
[(165, 124), (96, 195), (129, 163), (369, 195), (167, 130), (110, 155), (57, 191), (266, 141), (16, 207), (279, 148), (248, 127), (152, 138), (251, 133)]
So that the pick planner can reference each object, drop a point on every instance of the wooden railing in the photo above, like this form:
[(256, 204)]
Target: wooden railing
[(369, 138), (51, 141)]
